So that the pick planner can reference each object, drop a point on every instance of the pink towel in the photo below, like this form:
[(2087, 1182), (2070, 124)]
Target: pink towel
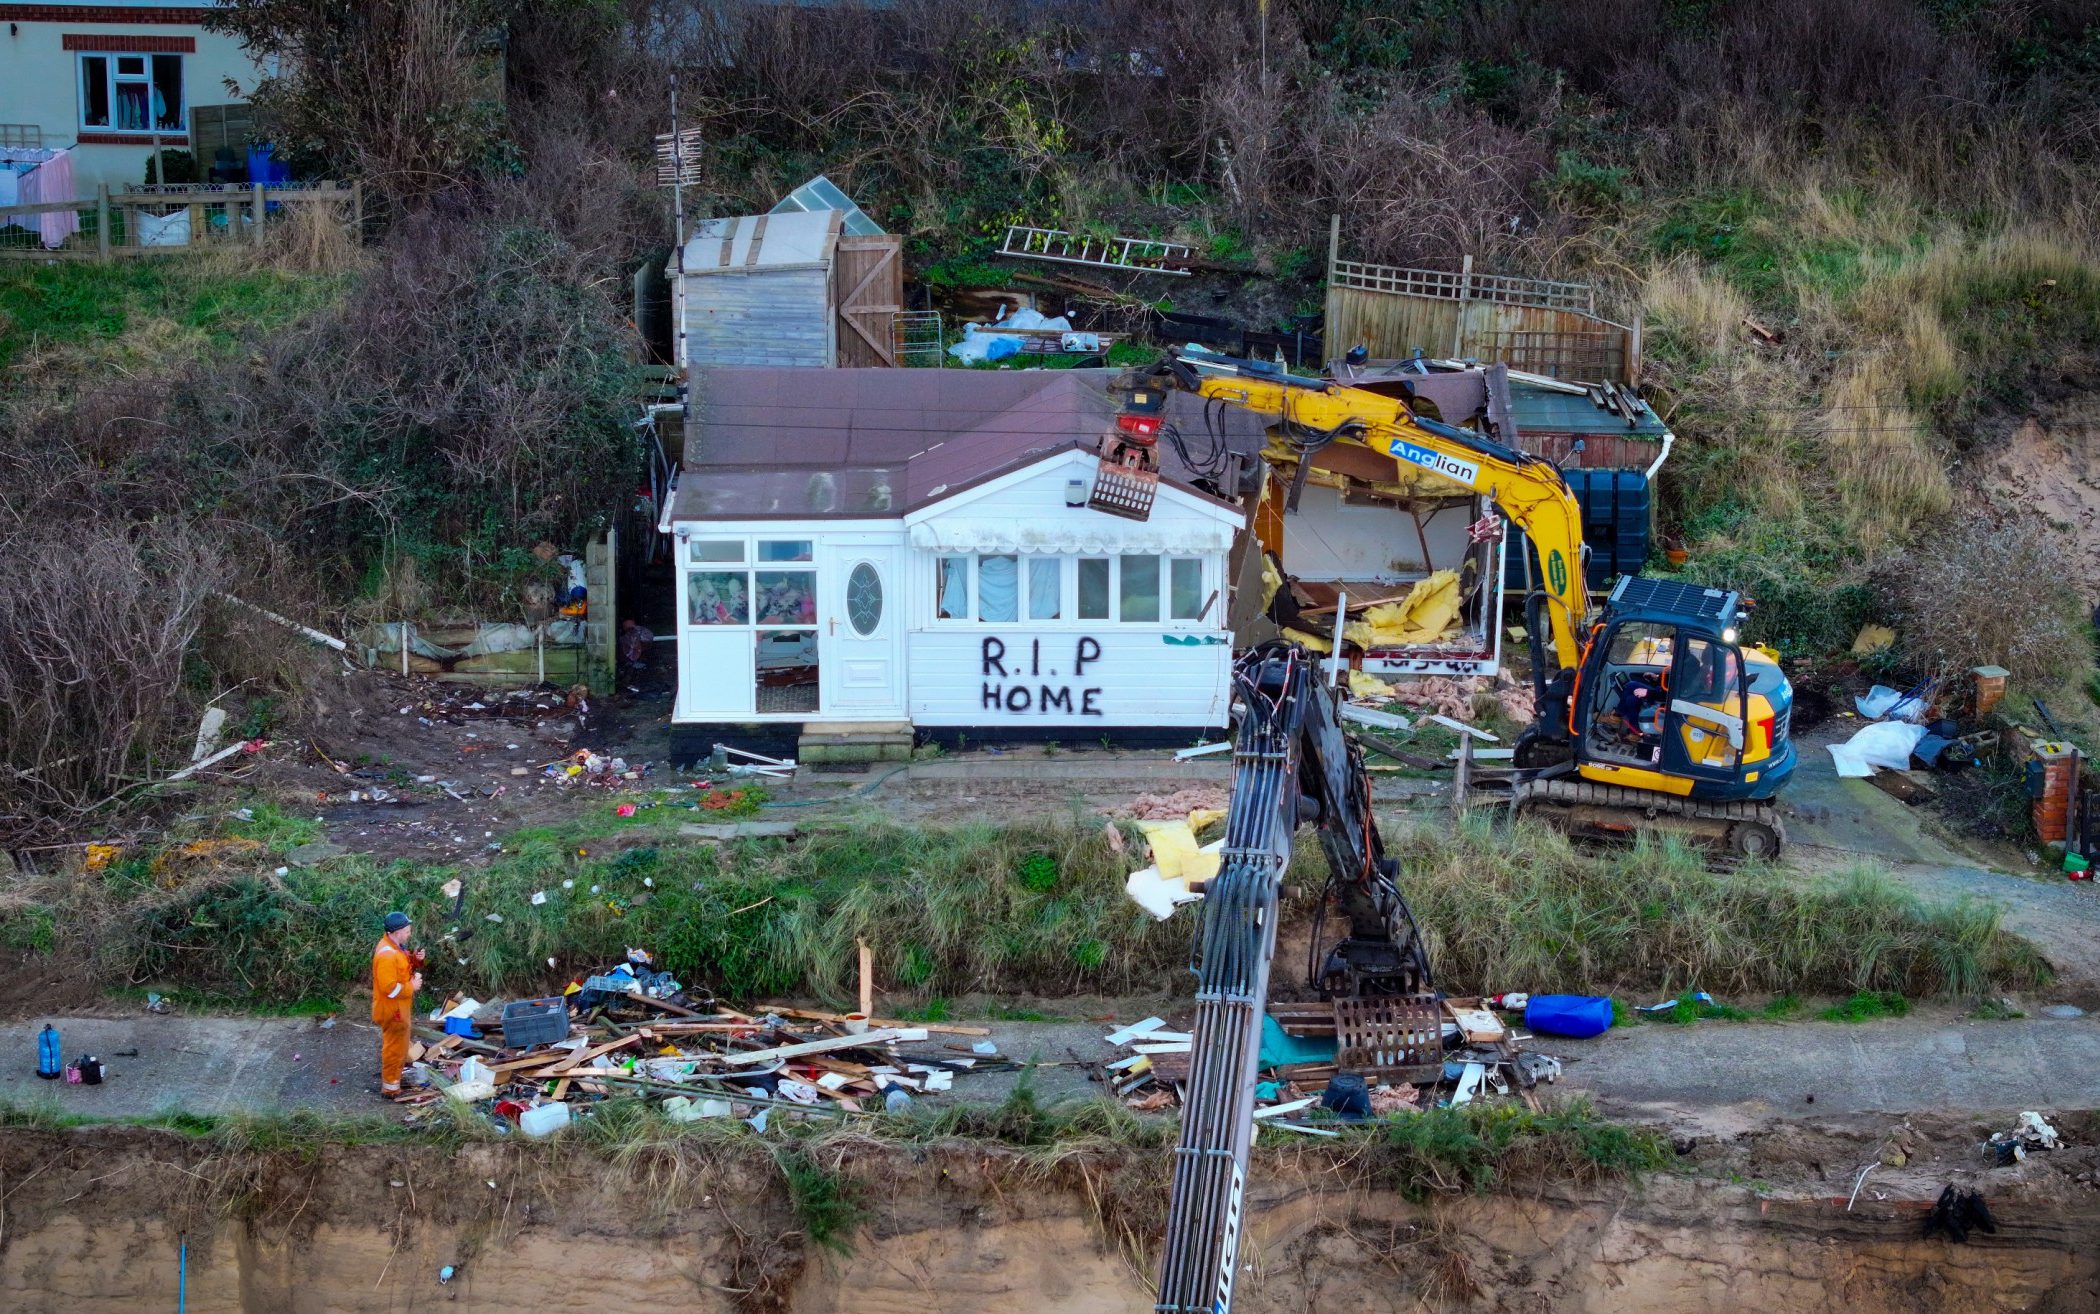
[(52, 181)]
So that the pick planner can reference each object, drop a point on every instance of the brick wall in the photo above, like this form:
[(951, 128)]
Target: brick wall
[(131, 45)]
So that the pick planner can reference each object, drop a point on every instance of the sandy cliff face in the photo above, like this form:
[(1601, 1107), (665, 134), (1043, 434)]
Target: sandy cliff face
[(92, 1222)]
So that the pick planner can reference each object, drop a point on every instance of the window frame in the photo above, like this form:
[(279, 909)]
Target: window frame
[(1070, 565), (112, 78), (748, 566)]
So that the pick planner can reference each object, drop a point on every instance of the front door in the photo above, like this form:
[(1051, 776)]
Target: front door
[(860, 629)]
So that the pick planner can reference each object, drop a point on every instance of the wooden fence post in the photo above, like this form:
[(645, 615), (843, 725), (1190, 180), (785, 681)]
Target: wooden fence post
[(1465, 298), (357, 210), (102, 221)]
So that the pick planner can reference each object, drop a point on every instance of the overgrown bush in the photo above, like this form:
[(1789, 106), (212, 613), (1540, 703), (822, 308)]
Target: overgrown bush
[(96, 623), (1990, 589)]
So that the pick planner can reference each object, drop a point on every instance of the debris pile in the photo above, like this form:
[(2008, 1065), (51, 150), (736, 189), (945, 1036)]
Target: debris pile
[(1352, 1058), (535, 1065), (1445, 695), (2032, 1132)]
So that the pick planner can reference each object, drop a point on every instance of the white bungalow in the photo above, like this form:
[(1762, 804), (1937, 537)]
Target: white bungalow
[(873, 553)]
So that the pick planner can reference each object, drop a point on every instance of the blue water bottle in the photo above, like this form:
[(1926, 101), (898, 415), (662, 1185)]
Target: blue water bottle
[(49, 1064)]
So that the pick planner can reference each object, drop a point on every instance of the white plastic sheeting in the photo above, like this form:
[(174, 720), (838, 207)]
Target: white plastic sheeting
[(1882, 701), (1885, 744)]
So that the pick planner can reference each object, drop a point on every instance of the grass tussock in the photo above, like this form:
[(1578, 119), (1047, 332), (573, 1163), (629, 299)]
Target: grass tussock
[(1030, 907), (1503, 1145), (1880, 456), (1522, 910)]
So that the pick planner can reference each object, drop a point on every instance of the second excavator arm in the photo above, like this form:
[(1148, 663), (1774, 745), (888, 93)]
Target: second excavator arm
[(1292, 764), (1528, 491)]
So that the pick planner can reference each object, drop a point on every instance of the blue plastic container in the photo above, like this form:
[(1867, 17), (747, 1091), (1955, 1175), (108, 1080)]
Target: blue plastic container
[(1579, 1016), (50, 1062)]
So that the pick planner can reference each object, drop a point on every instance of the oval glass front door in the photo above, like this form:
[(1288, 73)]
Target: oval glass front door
[(864, 599)]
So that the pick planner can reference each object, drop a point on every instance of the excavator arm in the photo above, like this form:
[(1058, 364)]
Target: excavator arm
[(1292, 764), (1525, 489)]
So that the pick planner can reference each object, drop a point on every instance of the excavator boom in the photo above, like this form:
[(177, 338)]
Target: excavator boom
[(1291, 763), (1527, 490)]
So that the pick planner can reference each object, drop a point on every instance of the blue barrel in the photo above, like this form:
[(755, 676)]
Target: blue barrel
[(49, 1062), (1568, 1015)]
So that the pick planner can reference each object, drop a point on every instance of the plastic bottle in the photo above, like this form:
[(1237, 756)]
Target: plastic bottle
[(50, 1061)]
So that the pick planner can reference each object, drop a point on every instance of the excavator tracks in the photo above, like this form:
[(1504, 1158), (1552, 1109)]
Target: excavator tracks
[(1740, 831)]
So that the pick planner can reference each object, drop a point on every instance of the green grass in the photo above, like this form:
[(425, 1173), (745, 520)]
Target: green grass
[(828, 1204), (128, 306), (1484, 1145), (275, 829), (1868, 1006), (1521, 906), (1035, 908)]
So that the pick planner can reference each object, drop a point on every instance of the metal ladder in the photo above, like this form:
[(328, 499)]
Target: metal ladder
[(1137, 254)]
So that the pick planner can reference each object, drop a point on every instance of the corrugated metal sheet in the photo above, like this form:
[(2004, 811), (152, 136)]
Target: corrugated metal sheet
[(761, 241)]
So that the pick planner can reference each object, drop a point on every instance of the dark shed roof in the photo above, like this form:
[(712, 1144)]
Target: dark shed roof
[(810, 443)]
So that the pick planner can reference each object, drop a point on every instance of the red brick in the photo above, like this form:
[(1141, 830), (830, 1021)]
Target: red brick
[(130, 45)]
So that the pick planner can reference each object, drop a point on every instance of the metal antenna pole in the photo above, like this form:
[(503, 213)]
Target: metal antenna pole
[(677, 172)]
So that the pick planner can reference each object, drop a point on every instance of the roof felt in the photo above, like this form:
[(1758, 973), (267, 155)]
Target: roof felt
[(1539, 410), (782, 441)]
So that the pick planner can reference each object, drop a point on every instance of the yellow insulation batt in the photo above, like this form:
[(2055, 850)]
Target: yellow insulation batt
[(1428, 614)]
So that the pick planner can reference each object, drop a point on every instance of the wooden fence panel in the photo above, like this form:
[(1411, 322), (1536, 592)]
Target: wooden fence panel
[(1530, 324), (162, 220)]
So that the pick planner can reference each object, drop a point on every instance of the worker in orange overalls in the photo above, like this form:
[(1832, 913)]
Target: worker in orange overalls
[(395, 981)]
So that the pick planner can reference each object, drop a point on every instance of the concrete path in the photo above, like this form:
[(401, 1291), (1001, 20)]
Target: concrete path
[(225, 1064), (1733, 1074)]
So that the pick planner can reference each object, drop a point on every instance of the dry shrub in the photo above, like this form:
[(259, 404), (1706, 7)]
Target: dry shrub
[(1993, 589), (404, 95), (95, 625), (1421, 180), (1887, 474), (313, 238)]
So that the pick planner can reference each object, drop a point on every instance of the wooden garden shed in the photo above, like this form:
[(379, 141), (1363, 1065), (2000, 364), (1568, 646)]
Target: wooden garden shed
[(786, 289)]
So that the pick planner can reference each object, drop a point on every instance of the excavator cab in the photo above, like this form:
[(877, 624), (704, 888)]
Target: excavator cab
[(1667, 698)]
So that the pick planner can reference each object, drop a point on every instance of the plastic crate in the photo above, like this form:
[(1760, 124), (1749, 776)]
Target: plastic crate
[(528, 1022)]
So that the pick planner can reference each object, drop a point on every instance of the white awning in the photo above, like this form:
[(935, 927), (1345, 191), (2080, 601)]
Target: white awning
[(1110, 536)]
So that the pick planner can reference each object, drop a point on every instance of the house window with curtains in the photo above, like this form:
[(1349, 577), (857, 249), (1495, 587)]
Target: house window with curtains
[(132, 93)]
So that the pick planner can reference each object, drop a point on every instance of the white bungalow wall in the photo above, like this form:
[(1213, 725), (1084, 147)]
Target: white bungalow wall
[(1070, 674)]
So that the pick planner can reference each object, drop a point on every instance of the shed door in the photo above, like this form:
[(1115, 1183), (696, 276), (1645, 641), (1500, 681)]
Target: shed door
[(860, 632), (870, 277)]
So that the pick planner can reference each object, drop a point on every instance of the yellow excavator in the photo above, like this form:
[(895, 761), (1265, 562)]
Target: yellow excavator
[(1651, 713)]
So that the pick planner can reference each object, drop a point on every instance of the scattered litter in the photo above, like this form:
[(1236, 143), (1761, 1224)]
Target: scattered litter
[(539, 897), (1696, 997), (2031, 1132)]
